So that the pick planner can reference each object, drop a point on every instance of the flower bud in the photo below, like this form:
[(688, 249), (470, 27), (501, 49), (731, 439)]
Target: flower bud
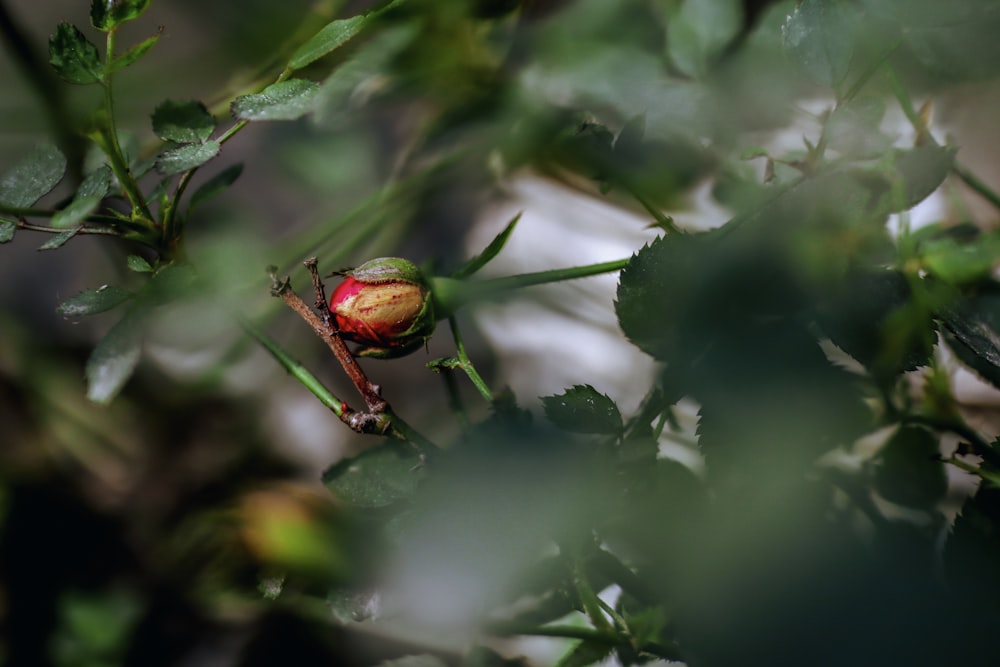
[(385, 304)]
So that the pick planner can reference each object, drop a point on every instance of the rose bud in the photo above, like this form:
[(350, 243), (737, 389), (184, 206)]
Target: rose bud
[(385, 304)]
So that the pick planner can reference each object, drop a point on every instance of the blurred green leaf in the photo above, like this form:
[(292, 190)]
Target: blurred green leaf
[(922, 170), (699, 30), (488, 253), (371, 60), (377, 477), (909, 470), (74, 58), (288, 100), (76, 212), (186, 157), (582, 409), (819, 36), (7, 229), (133, 54), (961, 263), (33, 177), (108, 14), (216, 185), (59, 240), (331, 37), (93, 301), (183, 122), (853, 128), (138, 264), (414, 661), (114, 359)]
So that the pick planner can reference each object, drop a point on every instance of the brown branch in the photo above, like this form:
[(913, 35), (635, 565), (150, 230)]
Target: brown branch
[(323, 326)]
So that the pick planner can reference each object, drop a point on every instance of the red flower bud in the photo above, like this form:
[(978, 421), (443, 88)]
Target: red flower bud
[(384, 304)]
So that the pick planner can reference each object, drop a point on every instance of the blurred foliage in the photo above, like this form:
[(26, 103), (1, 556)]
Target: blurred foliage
[(811, 332)]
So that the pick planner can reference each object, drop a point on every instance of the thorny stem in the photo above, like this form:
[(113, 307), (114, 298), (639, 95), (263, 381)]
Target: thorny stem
[(380, 418)]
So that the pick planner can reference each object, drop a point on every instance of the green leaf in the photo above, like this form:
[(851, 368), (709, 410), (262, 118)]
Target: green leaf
[(422, 660), (699, 30), (961, 263), (33, 177), (585, 653), (138, 264), (59, 240), (7, 229), (108, 14), (819, 36), (76, 212), (183, 122), (134, 53), (95, 184), (186, 157), (491, 251), (330, 38), (215, 185), (922, 169), (972, 333), (582, 409), (909, 470), (853, 128), (114, 359), (93, 301), (377, 477), (74, 57), (287, 100), (371, 60)]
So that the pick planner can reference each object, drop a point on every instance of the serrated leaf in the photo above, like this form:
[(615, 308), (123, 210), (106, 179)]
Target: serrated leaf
[(33, 177), (582, 409), (699, 30), (215, 185), (972, 333), (7, 229), (489, 252), (138, 264), (330, 38), (74, 58), (107, 14), (377, 477), (186, 157), (114, 359), (134, 53), (909, 470), (183, 122), (95, 184), (819, 35), (93, 301), (288, 100), (652, 290), (59, 240)]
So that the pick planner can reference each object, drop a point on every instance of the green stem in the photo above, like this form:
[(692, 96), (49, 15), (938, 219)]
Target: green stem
[(664, 221), (466, 363), (113, 148), (451, 294), (977, 186), (296, 369)]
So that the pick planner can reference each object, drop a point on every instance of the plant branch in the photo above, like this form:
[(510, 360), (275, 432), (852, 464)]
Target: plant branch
[(466, 364)]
